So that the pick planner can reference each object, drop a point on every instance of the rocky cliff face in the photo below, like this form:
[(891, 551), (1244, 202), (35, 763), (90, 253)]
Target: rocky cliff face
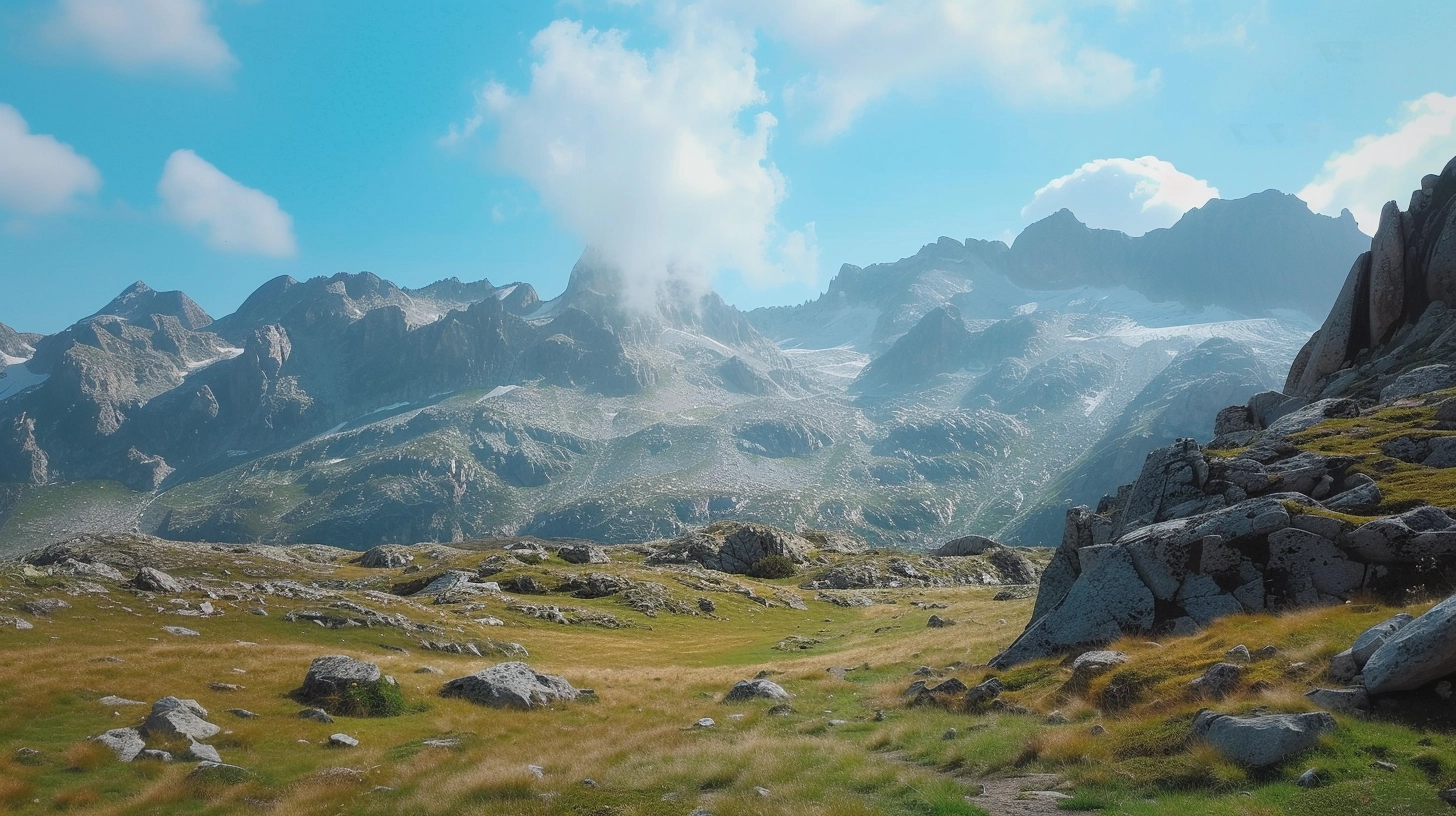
[(1294, 503)]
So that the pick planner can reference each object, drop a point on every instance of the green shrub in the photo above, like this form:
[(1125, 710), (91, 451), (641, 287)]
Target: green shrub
[(378, 699), (773, 566)]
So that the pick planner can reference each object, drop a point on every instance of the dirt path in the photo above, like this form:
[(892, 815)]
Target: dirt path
[(1029, 795)]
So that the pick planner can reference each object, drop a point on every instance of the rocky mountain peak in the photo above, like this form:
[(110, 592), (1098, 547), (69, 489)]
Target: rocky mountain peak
[(139, 302)]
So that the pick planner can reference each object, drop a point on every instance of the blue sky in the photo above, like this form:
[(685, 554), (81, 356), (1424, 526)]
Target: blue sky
[(210, 145)]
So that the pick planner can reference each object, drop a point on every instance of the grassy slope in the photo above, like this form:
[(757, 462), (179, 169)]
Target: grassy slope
[(654, 680)]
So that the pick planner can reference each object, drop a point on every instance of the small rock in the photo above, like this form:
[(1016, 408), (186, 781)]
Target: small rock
[(1097, 730), (761, 791), (180, 631), (315, 714), (758, 689), (536, 771), (1239, 654), (27, 756), (1218, 681), (879, 715), (220, 773), (202, 753), (225, 687), (154, 580), (1262, 740), (343, 741), (1267, 653), (950, 734), (937, 622), (242, 713), (1448, 796), (590, 783), (1311, 778), (429, 670), (1342, 700), (156, 755), (706, 722), (838, 723), (1057, 718), (1385, 766), (112, 701), (126, 743)]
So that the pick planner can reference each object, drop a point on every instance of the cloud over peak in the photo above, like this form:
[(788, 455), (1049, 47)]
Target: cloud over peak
[(230, 216), (1131, 195), (645, 156)]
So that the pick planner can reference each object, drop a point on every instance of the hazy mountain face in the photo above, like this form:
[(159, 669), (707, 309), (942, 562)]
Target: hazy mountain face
[(937, 395)]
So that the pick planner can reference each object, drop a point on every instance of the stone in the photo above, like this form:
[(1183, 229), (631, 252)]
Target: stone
[(966, 545), (1101, 605), (1312, 567), (984, 693), (1417, 381), (156, 755), (1262, 740), (1423, 651), (583, 554), (126, 743), (1424, 532), (386, 556), (1171, 477), (733, 547), (1387, 275), (1361, 491), (1373, 638), (112, 701), (706, 722), (219, 773), (44, 607), (1218, 681), (1089, 665), (199, 752), (937, 622), (154, 580), (510, 685), (1239, 654), (1344, 700), (170, 719), (315, 714), (342, 741), (1343, 667), (758, 689), (950, 734), (1311, 778), (331, 675), (242, 713), (181, 631)]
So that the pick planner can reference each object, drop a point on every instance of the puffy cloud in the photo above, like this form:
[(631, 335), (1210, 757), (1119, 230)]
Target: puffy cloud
[(134, 34), (232, 217), (37, 173), (1132, 195), (1386, 167), (642, 154), (862, 51)]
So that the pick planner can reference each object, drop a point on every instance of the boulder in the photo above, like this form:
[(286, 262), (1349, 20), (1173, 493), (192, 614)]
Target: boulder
[(1425, 532), (583, 553), (386, 556), (126, 743), (197, 752), (759, 689), (154, 580), (343, 741), (330, 676), (1420, 652), (733, 547), (1373, 638), (1264, 740), (1325, 353), (1218, 681), (510, 685), (1014, 568), (1345, 700), (172, 718), (965, 545), (1089, 665), (1387, 274), (937, 622), (1419, 381)]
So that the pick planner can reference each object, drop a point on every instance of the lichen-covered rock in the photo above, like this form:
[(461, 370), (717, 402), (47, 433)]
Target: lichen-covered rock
[(332, 675), (757, 689), (126, 743), (386, 557), (733, 546), (154, 580), (1421, 652)]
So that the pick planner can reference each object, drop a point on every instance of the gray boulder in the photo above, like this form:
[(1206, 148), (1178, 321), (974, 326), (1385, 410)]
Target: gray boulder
[(510, 685), (1261, 741), (1373, 638), (1421, 652), (198, 752), (126, 743), (759, 689), (331, 675), (172, 718), (154, 580), (386, 556), (1422, 533), (965, 545), (1345, 700), (1419, 381), (583, 554), (1218, 681), (733, 547)]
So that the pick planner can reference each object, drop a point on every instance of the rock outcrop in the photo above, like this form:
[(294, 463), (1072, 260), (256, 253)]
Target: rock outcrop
[(1263, 740), (733, 546), (510, 685)]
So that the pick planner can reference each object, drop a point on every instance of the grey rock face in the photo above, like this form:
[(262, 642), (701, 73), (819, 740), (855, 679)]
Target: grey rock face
[(758, 689), (172, 718), (331, 675), (1341, 700), (1262, 741), (126, 743), (1387, 274), (154, 580), (1089, 665), (1420, 381), (1218, 681), (782, 438), (510, 685), (1421, 652)]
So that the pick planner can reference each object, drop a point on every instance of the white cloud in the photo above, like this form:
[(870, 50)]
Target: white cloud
[(860, 51), (137, 34), (1386, 167), (1131, 195), (642, 155), (37, 173), (232, 217)]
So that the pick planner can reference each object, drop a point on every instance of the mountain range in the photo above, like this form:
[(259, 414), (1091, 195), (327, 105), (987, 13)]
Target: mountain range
[(973, 386)]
